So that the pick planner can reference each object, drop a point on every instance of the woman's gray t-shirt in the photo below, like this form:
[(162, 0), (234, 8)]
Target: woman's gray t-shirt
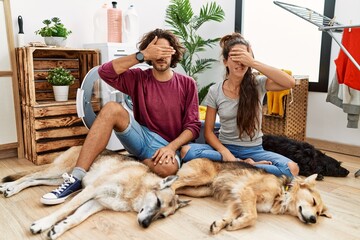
[(227, 111)]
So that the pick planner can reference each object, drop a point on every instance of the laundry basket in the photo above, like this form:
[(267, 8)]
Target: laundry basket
[(293, 123)]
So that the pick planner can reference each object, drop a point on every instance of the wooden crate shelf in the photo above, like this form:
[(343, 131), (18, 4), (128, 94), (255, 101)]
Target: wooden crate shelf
[(293, 124), (51, 127), (34, 64)]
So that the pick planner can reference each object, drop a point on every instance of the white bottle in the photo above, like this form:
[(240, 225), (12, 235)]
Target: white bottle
[(101, 25), (131, 26)]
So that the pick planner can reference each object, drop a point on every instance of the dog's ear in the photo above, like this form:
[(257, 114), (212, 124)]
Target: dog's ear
[(325, 213), (168, 181), (182, 203), (310, 180)]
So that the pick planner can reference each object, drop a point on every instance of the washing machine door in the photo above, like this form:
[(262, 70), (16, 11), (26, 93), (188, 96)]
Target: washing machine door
[(92, 95)]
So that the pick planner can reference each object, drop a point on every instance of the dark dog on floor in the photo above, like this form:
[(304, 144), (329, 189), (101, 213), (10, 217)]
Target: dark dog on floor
[(309, 159)]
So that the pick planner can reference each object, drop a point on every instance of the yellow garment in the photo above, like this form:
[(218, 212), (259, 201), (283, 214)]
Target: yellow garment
[(275, 102), (202, 112), (287, 71)]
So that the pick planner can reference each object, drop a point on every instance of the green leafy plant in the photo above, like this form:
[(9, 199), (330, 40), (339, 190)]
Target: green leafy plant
[(53, 28), (185, 24), (60, 77)]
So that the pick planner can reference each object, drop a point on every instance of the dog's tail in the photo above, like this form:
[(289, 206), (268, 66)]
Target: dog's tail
[(13, 177), (16, 176)]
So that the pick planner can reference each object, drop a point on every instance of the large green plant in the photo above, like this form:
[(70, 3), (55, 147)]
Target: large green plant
[(185, 24)]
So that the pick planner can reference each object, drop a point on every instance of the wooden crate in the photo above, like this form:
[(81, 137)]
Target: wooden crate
[(34, 64), (51, 127), (293, 123)]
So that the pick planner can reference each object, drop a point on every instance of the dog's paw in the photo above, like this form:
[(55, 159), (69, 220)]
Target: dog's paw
[(40, 226), (2, 188), (57, 230), (232, 227), (319, 177), (8, 189), (53, 233), (216, 226)]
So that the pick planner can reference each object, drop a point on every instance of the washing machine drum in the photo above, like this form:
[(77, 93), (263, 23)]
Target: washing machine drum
[(93, 94)]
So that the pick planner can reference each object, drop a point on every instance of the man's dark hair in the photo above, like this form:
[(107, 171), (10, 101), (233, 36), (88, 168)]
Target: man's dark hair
[(173, 40)]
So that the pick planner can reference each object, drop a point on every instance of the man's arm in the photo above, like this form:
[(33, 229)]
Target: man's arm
[(122, 64), (151, 52), (167, 153)]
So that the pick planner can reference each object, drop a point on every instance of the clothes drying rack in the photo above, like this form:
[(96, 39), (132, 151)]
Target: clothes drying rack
[(324, 23)]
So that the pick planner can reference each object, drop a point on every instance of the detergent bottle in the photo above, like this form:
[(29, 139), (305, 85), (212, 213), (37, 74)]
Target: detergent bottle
[(114, 23), (101, 25), (131, 26)]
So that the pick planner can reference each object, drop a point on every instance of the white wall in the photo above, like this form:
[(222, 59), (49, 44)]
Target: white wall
[(278, 36), (284, 40), (78, 16), (325, 121)]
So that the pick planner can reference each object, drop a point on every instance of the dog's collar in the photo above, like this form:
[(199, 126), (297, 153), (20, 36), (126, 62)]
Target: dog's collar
[(287, 187), (286, 196), (287, 184)]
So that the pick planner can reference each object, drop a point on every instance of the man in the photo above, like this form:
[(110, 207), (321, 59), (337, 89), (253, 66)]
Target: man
[(165, 106)]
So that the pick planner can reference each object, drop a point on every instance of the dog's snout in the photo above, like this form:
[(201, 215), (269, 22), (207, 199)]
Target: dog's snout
[(145, 223), (343, 172), (312, 219), (305, 218)]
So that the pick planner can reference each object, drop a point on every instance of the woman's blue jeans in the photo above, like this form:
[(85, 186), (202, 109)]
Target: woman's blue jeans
[(257, 153)]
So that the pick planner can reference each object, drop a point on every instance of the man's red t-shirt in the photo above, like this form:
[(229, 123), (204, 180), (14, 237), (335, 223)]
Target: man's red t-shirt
[(167, 108)]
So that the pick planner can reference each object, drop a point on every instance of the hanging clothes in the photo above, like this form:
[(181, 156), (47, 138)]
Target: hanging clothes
[(346, 98), (347, 72)]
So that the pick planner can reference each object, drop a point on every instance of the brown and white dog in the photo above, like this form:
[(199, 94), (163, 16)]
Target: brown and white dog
[(115, 182), (247, 190)]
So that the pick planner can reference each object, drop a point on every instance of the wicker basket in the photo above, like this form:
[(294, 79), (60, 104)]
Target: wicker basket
[(293, 123)]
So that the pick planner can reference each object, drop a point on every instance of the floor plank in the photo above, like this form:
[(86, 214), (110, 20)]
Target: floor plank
[(341, 195)]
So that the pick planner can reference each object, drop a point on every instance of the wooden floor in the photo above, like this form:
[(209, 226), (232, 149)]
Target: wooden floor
[(341, 195)]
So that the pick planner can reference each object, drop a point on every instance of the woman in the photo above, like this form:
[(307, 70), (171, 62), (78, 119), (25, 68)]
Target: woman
[(238, 102)]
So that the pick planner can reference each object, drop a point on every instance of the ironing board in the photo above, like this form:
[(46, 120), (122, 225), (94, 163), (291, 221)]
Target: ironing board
[(323, 23)]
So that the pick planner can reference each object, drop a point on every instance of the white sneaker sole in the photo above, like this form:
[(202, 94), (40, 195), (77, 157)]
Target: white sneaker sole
[(55, 201)]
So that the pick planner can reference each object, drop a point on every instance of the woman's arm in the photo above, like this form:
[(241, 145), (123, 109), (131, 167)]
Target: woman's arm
[(277, 79), (211, 138)]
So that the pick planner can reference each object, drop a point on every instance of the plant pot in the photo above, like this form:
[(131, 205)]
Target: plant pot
[(55, 41), (61, 93)]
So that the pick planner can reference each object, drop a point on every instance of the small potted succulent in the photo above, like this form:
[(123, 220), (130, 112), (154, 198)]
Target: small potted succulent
[(54, 32), (60, 79)]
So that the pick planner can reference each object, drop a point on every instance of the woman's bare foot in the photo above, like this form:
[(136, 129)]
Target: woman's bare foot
[(252, 162)]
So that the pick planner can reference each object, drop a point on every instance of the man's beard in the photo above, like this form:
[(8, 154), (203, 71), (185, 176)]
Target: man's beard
[(161, 67)]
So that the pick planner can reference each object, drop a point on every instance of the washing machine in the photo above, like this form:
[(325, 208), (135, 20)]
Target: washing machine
[(94, 93)]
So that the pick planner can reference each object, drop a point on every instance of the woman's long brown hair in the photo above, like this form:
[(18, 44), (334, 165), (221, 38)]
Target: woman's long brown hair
[(248, 107)]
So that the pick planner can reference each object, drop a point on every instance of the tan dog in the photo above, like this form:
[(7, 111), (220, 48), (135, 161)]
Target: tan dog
[(247, 190), (114, 182)]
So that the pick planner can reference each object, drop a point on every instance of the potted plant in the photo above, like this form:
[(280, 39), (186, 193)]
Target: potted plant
[(54, 32), (60, 79), (185, 24)]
